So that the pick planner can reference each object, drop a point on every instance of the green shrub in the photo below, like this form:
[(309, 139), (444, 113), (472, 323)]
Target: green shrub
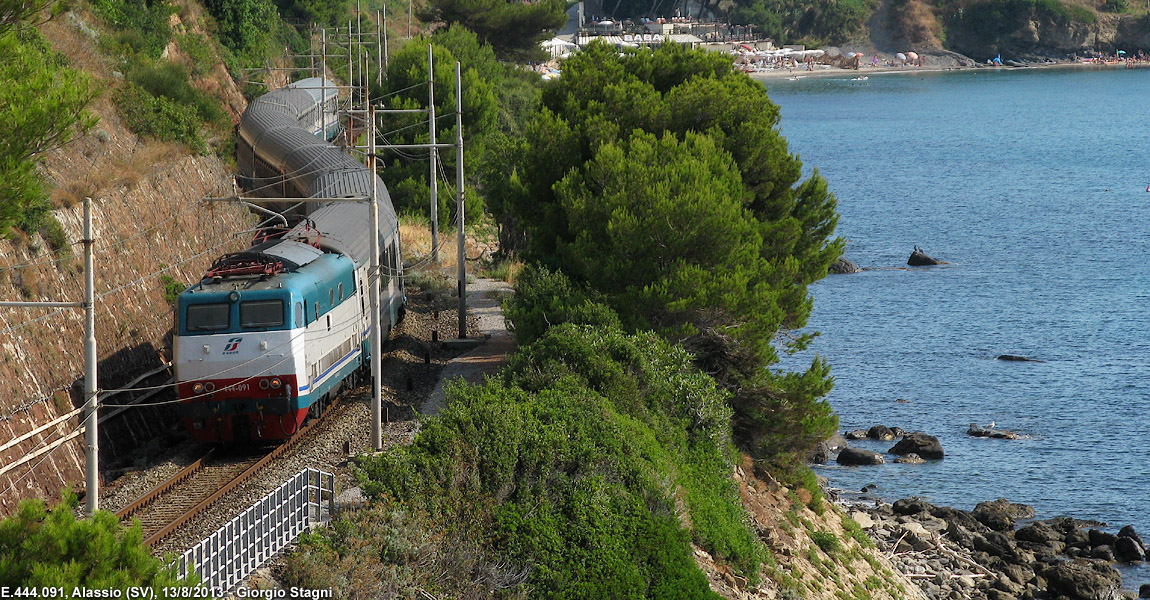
[(41, 547), (159, 117), (199, 51), (574, 461), (544, 299), (826, 540), (141, 25), (172, 288)]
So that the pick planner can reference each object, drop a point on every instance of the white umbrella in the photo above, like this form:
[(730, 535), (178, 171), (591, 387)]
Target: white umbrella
[(901, 56)]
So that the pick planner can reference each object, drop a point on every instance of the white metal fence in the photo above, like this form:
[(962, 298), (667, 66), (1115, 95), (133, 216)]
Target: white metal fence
[(234, 551)]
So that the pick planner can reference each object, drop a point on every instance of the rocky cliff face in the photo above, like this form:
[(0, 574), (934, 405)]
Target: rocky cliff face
[(149, 221)]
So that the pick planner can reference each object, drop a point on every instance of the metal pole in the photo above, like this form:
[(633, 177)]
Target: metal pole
[(373, 280), (434, 179), (359, 53), (323, 82), (383, 28), (379, 50), (409, 19), (91, 433), (350, 70), (460, 254)]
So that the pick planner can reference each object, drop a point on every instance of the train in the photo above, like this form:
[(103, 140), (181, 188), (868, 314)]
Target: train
[(270, 335)]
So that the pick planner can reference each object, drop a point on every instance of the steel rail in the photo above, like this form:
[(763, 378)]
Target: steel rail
[(238, 480)]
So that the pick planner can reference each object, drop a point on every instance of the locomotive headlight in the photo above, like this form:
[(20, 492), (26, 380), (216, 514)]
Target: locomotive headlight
[(264, 384), (276, 383), (209, 386), (197, 388)]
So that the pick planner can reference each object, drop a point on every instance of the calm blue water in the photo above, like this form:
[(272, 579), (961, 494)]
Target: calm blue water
[(1032, 185)]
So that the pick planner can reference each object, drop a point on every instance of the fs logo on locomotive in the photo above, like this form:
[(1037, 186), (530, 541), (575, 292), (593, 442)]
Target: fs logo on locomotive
[(233, 345)]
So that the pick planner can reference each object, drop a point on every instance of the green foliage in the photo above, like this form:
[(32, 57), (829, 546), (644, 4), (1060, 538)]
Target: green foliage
[(572, 462), (141, 25), (855, 532), (543, 299), (484, 91), (990, 21), (42, 107), (826, 540), (39, 547), (244, 24), (659, 180), (199, 50), (159, 117), (514, 30), (818, 22), (172, 288), (159, 101)]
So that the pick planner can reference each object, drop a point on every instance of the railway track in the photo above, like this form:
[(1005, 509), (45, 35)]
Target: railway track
[(179, 499)]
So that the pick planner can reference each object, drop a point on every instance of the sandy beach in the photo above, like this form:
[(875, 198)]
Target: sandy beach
[(828, 71)]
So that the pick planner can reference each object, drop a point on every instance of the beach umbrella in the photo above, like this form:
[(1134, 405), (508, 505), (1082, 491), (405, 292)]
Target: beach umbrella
[(912, 55), (900, 56), (1121, 52)]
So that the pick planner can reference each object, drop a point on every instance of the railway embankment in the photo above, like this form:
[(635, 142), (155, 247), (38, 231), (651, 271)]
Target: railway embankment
[(152, 232)]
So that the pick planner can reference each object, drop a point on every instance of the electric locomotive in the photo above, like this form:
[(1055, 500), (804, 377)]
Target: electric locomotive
[(270, 334)]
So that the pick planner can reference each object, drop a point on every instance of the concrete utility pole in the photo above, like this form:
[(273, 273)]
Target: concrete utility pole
[(91, 433), (434, 179), (374, 277), (461, 254), (91, 437)]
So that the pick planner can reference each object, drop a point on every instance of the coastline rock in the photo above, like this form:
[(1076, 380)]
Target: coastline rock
[(1128, 550), (855, 434), (881, 433), (858, 456), (918, 258), (977, 430), (926, 446), (910, 459), (1038, 533), (1098, 537), (823, 450), (1001, 514), (1083, 580), (1144, 590), (1128, 531), (844, 266)]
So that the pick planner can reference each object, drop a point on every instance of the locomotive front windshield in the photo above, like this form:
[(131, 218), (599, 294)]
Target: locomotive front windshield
[(208, 317), (258, 314)]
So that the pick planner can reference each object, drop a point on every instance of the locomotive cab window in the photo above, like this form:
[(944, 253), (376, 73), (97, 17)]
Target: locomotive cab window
[(257, 314), (209, 317), (299, 311)]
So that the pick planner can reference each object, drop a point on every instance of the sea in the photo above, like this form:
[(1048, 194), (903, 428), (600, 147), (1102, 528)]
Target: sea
[(1033, 185)]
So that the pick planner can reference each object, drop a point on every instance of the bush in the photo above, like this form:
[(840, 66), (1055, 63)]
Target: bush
[(545, 299), (827, 541), (575, 460), (141, 25), (159, 117), (40, 547)]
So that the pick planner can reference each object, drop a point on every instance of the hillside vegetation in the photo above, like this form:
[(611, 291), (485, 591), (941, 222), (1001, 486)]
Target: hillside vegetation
[(976, 28)]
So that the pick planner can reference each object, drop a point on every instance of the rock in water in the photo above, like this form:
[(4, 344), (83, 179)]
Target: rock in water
[(910, 459), (858, 456), (844, 266), (1001, 514), (918, 258), (926, 446), (1084, 580)]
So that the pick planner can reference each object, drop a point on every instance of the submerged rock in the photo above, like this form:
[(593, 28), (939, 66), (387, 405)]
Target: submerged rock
[(977, 430), (910, 459)]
